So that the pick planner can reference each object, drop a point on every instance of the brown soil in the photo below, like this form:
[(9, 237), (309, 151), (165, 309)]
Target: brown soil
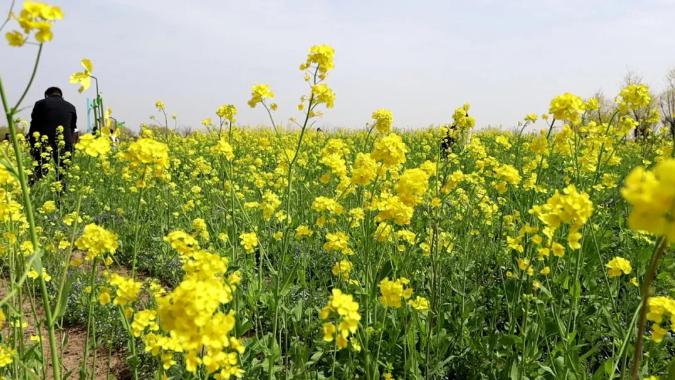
[(72, 354), (70, 344)]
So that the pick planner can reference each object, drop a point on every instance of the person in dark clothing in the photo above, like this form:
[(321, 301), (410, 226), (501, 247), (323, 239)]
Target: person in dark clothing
[(52, 133)]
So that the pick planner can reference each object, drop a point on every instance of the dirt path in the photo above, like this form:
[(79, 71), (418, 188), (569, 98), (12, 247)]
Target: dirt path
[(70, 343)]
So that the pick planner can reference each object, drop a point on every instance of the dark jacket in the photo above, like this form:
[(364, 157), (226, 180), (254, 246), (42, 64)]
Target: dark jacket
[(48, 114)]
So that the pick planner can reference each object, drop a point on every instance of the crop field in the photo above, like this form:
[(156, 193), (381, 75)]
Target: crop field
[(288, 252)]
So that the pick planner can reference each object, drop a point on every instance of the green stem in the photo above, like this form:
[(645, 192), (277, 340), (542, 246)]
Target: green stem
[(90, 317), (137, 229), (25, 191), (379, 341), (30, 81), (66, 264), (625, 341), (132, 342), (291, 163), (660, 249), (523, 358), (9, 15), (577, 285)]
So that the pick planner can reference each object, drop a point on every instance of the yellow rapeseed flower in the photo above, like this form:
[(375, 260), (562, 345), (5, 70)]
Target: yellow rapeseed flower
[(461, 118), (83, 78), (660, 310), (248, 240), (322, 94), (345, 311), (321, 57), (383, 120), (393, 291), (34, 17), (259, 93), (127, 289), (94, 146), (227, 112), (652, 195), (342, 269), (634, 96), (618, 266), (6, 355), (97, 241), (390, 150), (412, 185), (420, 304), (567, 107)]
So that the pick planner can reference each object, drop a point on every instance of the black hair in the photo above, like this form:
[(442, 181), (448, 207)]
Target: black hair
[(53, 91)]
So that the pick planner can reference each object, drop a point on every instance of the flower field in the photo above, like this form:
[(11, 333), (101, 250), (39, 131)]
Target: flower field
[(376, 253)]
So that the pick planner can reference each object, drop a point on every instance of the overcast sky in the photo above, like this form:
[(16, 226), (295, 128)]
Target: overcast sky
[(420, 58)]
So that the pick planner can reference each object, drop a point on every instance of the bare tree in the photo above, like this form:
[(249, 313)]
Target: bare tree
[(605, 107), (667, 103), (632, 77)]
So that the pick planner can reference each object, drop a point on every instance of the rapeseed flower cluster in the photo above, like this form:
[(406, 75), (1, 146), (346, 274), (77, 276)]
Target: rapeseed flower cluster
[(11, 211), (507, 175), (392, 208), (338, 241), (322, 57), (227, 112), (260, 93), (618, 266), (570, 207), (634, 96), (303, 231), (94, 146), (567, 107), (126, 291), (389, 150), (83, 78), (223, 148), (364, 170), (322, 94), (34, 17), (342, 320), (342, 269), (383, 120), (461, 118), (412, 185), (325, 204), (189, 320), (249, 240), (661, 311), (652, 195), (148, 156), (6, 355), (182, 242), (393, 291), (97, 241)]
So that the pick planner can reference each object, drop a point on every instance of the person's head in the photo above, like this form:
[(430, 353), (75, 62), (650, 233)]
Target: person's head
[(53, 91)]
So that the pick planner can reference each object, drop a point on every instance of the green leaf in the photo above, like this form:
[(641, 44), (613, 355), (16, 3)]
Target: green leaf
[(37, 260), (314, 359), (63, 300), (515, 371)]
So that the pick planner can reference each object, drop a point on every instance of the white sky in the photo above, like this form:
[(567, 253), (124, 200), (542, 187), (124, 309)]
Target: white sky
[(421, 59)]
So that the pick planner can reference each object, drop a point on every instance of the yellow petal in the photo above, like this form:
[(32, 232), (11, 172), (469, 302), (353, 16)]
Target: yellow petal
[(75, 78), (88, 67), (84, 84)]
